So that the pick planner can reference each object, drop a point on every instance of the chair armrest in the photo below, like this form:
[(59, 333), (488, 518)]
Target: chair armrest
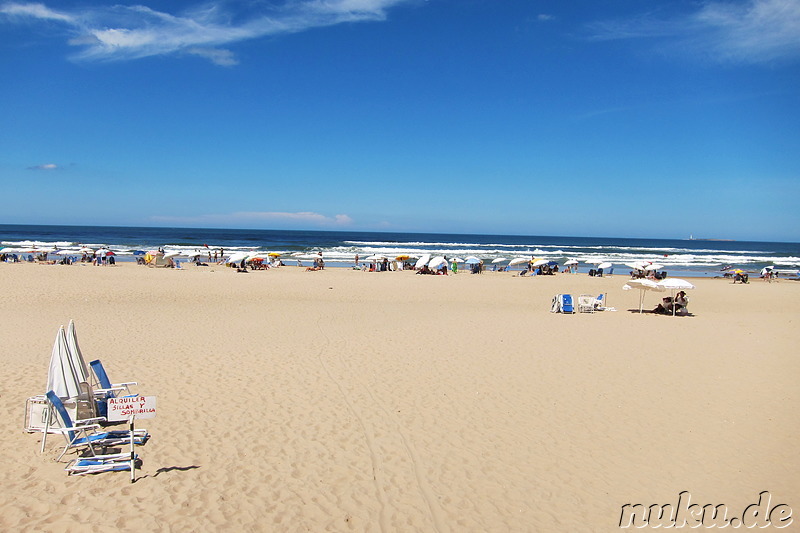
[(79, 424), (124, 384), (101, 392), (78, 428)]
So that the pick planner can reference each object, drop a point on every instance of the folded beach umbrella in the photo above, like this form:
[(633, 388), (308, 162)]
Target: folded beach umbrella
[(63, 377), (642, 285)]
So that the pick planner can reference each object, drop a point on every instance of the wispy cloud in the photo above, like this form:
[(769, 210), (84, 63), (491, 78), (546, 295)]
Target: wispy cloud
[(46, 166), (750, 31), (245, 218), (120, 32)]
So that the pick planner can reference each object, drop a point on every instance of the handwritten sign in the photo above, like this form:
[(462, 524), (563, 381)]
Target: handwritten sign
[(123, 408)]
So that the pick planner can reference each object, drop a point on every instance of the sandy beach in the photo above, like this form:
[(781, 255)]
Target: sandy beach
[(349, 401)]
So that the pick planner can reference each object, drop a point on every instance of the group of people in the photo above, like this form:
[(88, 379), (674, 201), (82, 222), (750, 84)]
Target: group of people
[(677, 306)]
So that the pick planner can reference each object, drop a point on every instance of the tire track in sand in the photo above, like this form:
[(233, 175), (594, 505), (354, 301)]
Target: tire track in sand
[(426, 493), (369, 436)]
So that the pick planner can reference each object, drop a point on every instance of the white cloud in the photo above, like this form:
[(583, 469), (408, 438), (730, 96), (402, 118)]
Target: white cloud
[(39, 11), (750, 31), (224, 58), (128, 32), (246, 218), (46, 166)]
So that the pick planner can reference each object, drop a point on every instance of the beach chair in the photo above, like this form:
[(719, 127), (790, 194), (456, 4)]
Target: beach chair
[(106, 389), (100, 463), (586, 303), (589, 304), (562, 303), (84, 434)]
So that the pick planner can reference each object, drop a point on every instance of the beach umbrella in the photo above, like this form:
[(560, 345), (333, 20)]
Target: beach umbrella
[(540, 262), (604, 265), (519, 261), (140, 252), (173, 253), (499, 260), (436, 262), (63, 377), (274, 254), (374, 258), (457, 260), (653, 266), (422, 261), (472, 260), (571, 262), (237, 257), (402, 257), (675, 284), (643, 285)]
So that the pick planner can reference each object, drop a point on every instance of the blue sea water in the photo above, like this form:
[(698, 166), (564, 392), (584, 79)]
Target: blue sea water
[(688, 257)]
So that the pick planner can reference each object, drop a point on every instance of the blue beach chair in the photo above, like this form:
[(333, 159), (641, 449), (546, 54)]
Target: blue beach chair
[(100, 463), (107, 389), (84, 434), (562, 303)]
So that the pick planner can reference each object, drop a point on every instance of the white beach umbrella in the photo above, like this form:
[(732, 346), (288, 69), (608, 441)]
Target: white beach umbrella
[(237, 257), (499, 260), (653, 266), (643, 285), (457, 260), (675, 284), (472, 260), (80, 369), (519, 261), (422, 261), (571, 262), (62, 376), (173, 253), (540, 262), (436, 262), (605, 265), (374, 258)]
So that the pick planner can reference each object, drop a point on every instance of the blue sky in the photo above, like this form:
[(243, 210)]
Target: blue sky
[(618, 118)]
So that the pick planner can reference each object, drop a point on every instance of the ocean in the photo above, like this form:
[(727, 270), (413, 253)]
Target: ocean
[(678, 257)]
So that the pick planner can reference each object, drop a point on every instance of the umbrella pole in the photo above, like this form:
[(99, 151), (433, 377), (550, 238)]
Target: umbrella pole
[(46, 425), (133, 454)]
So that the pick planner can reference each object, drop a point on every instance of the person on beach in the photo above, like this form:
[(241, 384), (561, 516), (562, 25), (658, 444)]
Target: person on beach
[(356, 260)]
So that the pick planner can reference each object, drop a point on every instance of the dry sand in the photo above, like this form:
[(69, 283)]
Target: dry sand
[(350, 401)]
